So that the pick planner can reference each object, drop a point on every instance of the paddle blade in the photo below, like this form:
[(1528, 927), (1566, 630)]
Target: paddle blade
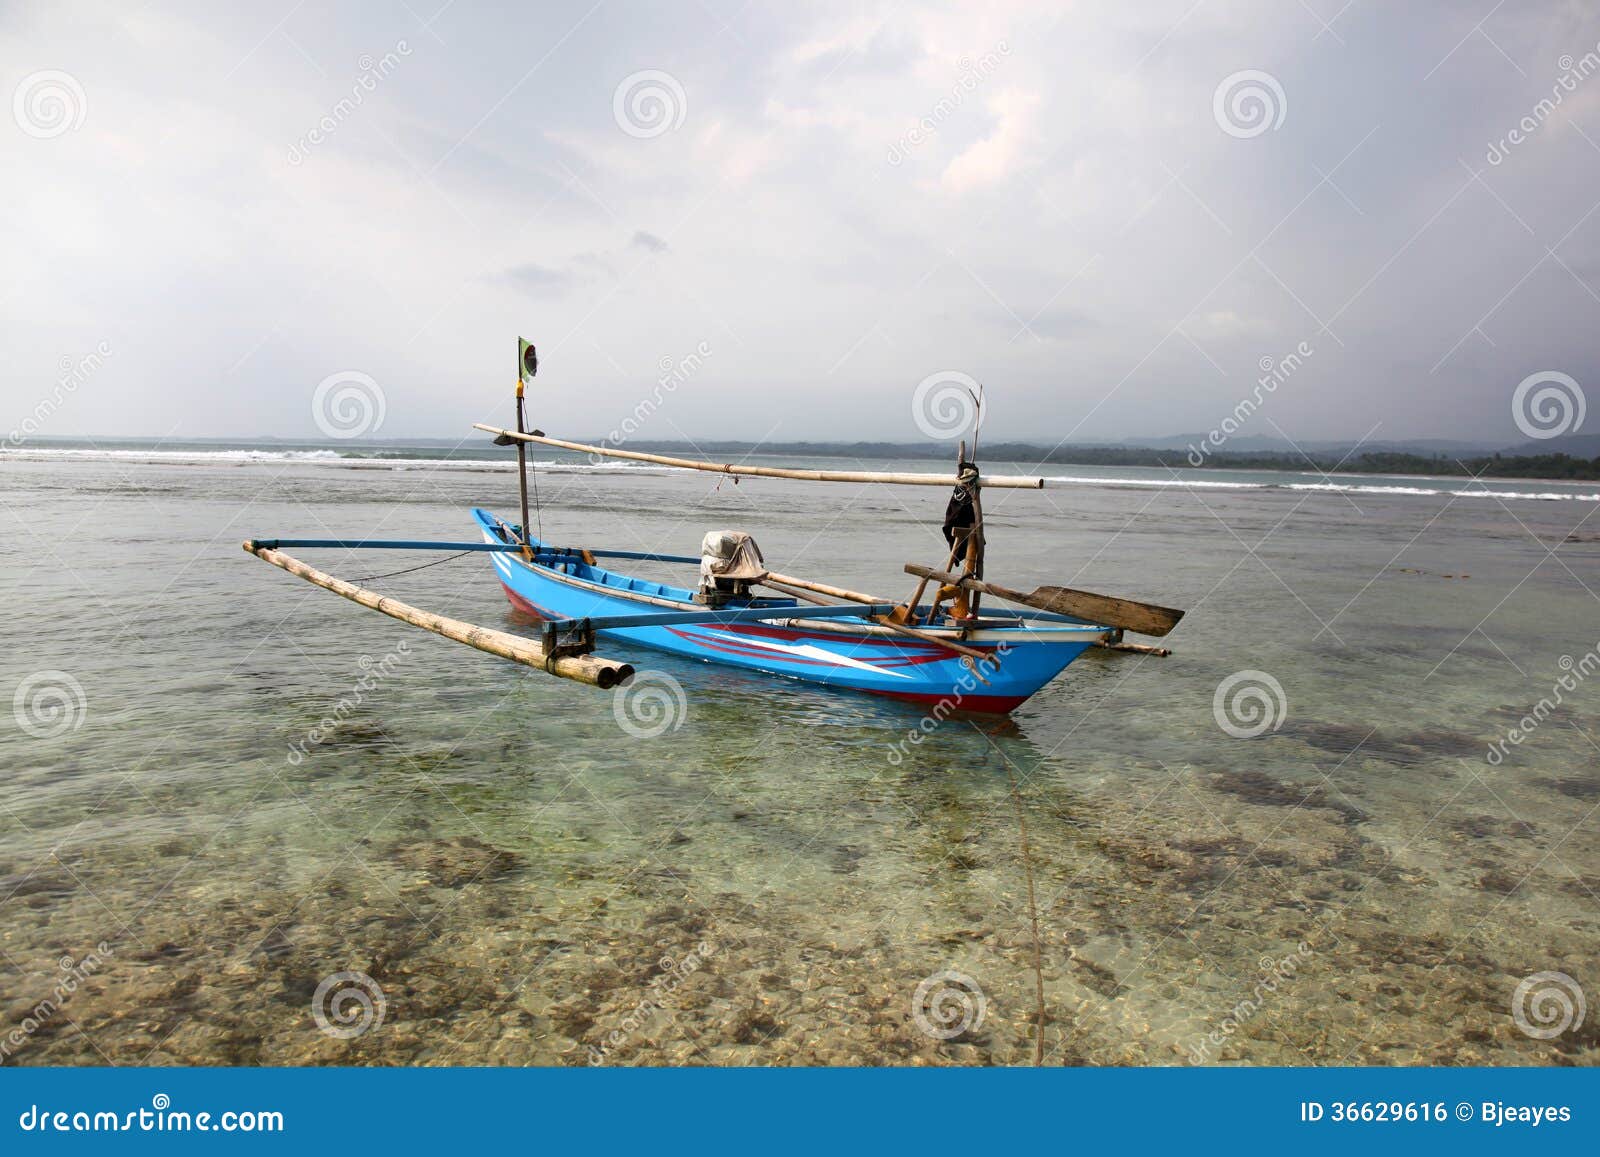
[(1105, 610), (1143, 618)]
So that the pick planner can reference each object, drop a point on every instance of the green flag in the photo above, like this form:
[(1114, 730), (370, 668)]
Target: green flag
[(527, 359)]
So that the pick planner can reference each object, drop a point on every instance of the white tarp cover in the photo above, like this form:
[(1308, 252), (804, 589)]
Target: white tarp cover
[(730, 554)]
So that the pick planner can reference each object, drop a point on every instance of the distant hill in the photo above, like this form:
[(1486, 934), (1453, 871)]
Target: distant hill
[(1240, 444), (1576, 445)]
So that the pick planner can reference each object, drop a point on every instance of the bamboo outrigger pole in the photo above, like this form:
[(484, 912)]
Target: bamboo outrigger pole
[(1005, 482), (591, 669)]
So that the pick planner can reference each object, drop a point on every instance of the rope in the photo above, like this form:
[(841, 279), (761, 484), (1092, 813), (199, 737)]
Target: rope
[(538, 514), (1033, 912), (374, 577)]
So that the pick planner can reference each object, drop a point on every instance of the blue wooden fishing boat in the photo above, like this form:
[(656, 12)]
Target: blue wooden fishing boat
[(949, 654), (779, 635)]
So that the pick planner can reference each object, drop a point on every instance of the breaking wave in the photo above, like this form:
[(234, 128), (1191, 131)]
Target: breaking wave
[(396, 461), (1329, 487), (421, 458)]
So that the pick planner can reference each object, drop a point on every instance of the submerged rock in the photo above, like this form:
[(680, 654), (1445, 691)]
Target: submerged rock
[(454, 863), (1259, 788), (1574, 787), (1406, 748)]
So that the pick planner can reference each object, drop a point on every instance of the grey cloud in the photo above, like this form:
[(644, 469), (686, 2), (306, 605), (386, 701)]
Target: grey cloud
[(1084, 174)]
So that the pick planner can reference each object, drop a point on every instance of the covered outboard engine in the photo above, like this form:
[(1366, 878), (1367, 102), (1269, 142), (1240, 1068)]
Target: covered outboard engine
[(730, 561)]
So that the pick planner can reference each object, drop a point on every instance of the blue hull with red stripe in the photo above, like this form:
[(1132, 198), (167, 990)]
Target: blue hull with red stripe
[(843, 652)]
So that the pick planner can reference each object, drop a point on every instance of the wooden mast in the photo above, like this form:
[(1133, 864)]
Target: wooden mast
[(525, 356), (522, 477)]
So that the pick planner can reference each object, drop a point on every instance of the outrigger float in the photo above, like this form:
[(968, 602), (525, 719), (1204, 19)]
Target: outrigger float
[(949, 649)]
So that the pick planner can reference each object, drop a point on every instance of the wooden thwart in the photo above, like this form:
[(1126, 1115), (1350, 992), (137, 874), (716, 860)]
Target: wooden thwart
[(1004, 482), (1143, 618), (591, 669)]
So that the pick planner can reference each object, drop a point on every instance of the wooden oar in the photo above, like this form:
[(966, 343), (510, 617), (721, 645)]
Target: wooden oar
[(1143, 618), (758, 471)]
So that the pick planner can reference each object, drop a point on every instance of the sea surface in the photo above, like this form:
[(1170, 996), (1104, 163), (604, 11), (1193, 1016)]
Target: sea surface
[(243, 821)]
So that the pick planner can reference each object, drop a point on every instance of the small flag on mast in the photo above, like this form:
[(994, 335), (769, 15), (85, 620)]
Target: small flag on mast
[(527, 359)]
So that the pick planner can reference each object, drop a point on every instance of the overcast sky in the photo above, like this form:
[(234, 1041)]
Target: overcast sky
[(1072, 203)]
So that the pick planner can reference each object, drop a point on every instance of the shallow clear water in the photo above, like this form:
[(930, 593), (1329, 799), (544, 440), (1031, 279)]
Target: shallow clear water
[(771, 878)]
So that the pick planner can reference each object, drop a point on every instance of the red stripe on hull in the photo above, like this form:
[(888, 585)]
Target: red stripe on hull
[(754, 653), (734, 647), (983, 704), (763, 629)]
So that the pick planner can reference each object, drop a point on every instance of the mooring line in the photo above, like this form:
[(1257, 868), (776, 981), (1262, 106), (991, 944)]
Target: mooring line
[(372, 577), (1033, 912)]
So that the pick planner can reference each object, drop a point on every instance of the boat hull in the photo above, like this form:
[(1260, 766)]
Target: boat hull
[(845, 653)]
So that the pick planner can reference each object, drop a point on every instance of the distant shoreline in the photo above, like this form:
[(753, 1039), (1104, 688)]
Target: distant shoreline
[(1500, 466)]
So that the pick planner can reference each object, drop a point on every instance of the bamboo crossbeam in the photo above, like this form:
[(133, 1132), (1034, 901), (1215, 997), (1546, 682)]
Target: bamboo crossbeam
[(384, 544), (559, 553), (723, 617), (1001, 481), (832, 592), (1136, 648), (590, 669)]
